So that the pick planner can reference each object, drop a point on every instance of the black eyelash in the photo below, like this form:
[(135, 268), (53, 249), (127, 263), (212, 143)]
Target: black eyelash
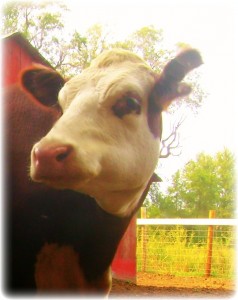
[(127, 105)]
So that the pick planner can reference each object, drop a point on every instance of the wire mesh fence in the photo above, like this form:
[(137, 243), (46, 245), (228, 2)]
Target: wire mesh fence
[(187, 250)]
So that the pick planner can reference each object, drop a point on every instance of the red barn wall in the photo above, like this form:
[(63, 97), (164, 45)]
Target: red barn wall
[(14, 60), (124, 263), (17, 54)]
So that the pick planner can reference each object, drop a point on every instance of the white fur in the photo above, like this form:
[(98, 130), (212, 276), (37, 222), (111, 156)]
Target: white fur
[(113, 157)]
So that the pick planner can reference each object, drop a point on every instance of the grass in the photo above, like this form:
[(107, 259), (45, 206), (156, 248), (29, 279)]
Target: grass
[(178, 251)]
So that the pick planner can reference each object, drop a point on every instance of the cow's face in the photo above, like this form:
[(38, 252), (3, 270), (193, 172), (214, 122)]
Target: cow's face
[(106, 143)]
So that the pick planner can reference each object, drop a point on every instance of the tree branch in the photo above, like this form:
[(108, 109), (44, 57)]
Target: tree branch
[(172, 142)]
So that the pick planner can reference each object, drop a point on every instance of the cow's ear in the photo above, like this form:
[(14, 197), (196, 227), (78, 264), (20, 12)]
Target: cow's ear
[(168, 86), (43, 83)]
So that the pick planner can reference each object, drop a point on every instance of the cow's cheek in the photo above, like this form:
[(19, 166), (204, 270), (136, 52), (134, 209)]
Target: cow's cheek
[(135, 159)]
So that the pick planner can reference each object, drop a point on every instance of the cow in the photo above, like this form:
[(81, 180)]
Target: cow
[(80, 157)]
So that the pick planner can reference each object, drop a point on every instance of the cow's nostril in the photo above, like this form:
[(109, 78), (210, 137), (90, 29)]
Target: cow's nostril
[(61, 156), (63, 153)]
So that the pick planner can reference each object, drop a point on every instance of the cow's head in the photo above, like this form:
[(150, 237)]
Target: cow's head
[(106, 143)]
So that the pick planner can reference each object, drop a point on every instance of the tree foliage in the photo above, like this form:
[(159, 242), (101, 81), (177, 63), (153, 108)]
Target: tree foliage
[(148, 43), (37, 21), (203, 184)]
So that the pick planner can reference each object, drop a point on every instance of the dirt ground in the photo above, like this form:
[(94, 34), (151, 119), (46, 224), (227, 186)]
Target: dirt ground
[(152, 285)]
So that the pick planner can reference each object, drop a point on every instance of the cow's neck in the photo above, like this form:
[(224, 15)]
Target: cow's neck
[(121, 203)]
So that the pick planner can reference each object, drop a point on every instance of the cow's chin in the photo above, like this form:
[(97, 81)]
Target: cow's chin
[(117, 202), (62, 182)]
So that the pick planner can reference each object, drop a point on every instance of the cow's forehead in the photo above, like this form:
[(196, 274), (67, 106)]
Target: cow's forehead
[(115, 56), (135, 80), (111, 81)]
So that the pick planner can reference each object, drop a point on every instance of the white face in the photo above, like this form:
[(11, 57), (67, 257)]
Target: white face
[(111, 151)]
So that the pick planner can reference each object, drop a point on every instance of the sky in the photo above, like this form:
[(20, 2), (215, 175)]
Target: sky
[(209, 26)]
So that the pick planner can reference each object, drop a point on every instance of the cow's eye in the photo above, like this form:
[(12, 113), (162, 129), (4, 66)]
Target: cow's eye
[(127, 105)]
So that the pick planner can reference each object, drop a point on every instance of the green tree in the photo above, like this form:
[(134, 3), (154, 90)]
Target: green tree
[(37, 21), (163, 205), (148, 43), (205, 183), (226, 175), (154, 201), (10, 18), (85, 48)]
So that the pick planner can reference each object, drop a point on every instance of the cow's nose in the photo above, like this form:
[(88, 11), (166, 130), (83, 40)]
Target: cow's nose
[(53, 156)]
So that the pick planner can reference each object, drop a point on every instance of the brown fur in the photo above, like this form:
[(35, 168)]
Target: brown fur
[(58, 270)]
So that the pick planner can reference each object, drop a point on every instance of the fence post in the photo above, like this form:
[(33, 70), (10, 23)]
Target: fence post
[(144, 239), (209, 244)]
